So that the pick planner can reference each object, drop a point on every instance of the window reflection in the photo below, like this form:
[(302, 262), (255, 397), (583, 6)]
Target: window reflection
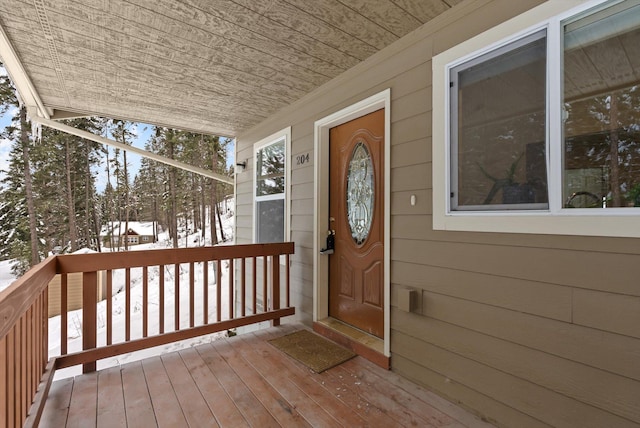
[(602, 109)]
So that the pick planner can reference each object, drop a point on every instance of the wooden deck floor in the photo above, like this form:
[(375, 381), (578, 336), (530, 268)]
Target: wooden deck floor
[(244, 381)]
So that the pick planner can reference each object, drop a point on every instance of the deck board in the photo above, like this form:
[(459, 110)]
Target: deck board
[(111, 410), (138, 406), (244, 381)]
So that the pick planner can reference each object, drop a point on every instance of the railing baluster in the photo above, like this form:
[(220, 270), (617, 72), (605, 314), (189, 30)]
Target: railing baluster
[(288, 280), (161, 298), (218, 265), (243, 286), (4, 383), (265, 306), (89, 303), (176, 286), (275, 287), (28, 358), (127, 304), (109, 306), (205, 292), (24, 350), (45, 328), (192, 297), (145, 300), (21, 409), (254, 286), (64, 322), (11, 376), (231, 297)]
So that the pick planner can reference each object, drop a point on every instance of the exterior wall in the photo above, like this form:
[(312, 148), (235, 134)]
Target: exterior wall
[(74, 292), (526, 330)]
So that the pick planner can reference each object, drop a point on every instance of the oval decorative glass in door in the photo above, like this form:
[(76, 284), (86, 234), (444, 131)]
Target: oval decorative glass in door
[(360, 195)]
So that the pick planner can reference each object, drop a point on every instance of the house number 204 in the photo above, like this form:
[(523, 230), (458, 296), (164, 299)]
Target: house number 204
[(302, 159)]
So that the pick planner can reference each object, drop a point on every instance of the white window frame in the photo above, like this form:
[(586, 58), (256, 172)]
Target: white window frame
[(621, 222), (272, 139)]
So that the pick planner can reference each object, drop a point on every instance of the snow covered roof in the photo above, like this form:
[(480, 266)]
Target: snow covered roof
[(117, 228)]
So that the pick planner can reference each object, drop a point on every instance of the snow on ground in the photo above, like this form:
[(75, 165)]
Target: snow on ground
[(74, 320), (6, 277)]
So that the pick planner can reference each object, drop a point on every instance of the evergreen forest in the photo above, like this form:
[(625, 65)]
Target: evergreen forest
[(49, 197)]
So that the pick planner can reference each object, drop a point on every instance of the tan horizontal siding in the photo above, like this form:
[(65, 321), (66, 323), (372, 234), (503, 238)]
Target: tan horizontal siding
[(539, 402), (538, 264), (536, 298), (463, 395), (528, 330)]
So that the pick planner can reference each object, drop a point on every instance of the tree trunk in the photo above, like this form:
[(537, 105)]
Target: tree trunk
[(31, 211), (172, 193), (214, 200), (71, 210), (126, 201)]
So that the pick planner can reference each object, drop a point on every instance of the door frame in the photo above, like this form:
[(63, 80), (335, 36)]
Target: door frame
[(321, 203)]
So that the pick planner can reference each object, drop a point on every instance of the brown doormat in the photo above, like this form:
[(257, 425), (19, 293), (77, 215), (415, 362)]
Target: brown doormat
[(313, 351)]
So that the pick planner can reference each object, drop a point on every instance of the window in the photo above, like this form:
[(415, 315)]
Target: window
[(498, 117), (271, 183), (540, 131)]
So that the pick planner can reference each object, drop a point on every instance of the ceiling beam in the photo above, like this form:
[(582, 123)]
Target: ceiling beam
[(144, 153), (26, 91)]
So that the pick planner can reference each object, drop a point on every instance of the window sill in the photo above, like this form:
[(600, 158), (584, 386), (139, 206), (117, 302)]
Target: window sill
[(613, 223)]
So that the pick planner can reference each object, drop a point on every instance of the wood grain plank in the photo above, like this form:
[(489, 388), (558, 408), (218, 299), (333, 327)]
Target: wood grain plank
[(250, 407), (84, 401), (266, 359), (194, 406), (285, 412), (111, 409), (166, 406), (222, 406), (421, 394), (376, 382), (137, 401), (57, 406)]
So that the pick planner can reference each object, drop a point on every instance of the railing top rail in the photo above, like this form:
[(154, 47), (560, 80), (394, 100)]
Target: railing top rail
[(19, 296), (70, 263)]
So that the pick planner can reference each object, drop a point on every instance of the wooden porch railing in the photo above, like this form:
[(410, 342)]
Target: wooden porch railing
[(26, 369)]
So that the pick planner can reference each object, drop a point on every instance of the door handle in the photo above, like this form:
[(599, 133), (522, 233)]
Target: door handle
[(331, 243)]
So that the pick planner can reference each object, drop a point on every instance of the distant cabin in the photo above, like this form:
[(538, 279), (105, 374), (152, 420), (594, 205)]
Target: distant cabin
[(113, 234)]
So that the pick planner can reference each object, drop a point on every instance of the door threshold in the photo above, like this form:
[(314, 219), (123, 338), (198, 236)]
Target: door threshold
[(366, 345)]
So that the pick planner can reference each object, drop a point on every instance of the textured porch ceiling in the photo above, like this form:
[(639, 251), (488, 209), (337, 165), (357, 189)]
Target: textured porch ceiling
[(215, 66)]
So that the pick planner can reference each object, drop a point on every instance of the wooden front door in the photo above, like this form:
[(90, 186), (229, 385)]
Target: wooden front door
[(356, 213)]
